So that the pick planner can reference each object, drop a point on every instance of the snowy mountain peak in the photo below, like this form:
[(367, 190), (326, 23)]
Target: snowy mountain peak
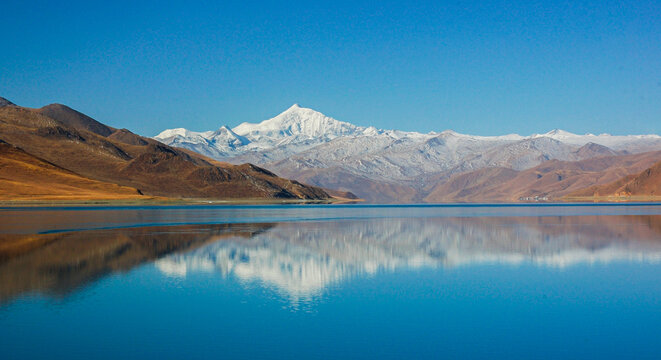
[(449, 132), (296, 121), (555, 133), (172, 133), (225, 137), (224, 131), (301, 139)]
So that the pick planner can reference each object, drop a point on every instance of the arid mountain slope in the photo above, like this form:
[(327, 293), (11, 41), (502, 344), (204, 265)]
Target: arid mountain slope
[(470, 186), (365, 188), (552, 179), (75, 142), (645, 183), (26, 177)]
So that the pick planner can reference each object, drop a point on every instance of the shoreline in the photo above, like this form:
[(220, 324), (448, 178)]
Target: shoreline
[(163, 202), (333, 201)]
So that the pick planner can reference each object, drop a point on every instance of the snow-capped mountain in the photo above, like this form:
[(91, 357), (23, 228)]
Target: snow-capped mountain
[(294, 130), (296, 122), (216, 144), (612, 141), (309, 146)]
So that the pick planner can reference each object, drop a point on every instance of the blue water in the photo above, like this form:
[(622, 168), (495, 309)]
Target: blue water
[(327, 282)]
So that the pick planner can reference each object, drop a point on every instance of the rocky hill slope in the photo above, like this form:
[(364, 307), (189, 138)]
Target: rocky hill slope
[(73, 143), (643, 185)]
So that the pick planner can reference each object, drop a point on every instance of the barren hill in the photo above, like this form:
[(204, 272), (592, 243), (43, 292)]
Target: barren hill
[(74, 143), (26, 177), (550, 180), (644, 184)]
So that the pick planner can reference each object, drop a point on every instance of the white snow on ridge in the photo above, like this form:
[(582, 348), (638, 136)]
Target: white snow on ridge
[(176, 132), (298, 129), (297, 121), (308, 146), (301, 138), (613, 141), (292, 131)]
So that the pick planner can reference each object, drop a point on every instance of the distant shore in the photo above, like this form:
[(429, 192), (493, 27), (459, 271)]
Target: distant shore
[(613, 199), (258, 201), (166, 202)]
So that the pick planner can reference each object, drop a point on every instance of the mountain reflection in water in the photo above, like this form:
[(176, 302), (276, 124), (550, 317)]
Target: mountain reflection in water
[(301, 259), (57, 264)]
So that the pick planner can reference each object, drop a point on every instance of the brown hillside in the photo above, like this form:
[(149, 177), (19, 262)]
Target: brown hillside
[(73, 141), (552, 179), (470, 186), (645, 183), (26, 177), (591, 150), (74, 119), (368, 189)]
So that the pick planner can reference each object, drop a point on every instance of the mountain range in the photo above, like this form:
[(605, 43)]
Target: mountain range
[(57, 153), (392, 166)]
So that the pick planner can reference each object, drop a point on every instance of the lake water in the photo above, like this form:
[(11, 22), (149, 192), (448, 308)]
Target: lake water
[(328, 282)]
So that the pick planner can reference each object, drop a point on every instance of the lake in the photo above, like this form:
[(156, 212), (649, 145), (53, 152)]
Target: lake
[(331, 281)]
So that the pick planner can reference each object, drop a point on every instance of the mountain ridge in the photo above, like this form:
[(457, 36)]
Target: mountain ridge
[(296, 121), (392, 165), (74, 143), (647, 183)]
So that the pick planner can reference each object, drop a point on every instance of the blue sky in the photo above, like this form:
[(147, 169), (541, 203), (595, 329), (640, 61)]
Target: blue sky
[(475, 67)]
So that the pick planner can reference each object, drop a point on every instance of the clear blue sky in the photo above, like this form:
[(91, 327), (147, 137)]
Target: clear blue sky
[(476, 67)]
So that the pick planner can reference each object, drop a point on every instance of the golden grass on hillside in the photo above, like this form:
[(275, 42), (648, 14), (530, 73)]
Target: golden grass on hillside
[(26, 177), (80, 158)]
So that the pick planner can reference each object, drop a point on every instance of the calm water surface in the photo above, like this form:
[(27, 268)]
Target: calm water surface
[(328, 282)]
